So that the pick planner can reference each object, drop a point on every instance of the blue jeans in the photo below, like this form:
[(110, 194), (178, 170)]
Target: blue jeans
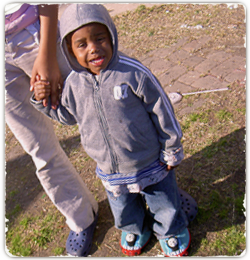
[(164, 214)]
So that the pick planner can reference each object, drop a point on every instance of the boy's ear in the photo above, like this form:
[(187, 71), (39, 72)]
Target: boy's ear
[(70, 49), (68, 42)]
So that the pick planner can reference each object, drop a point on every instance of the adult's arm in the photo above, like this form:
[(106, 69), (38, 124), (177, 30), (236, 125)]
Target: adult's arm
[(46, 66)]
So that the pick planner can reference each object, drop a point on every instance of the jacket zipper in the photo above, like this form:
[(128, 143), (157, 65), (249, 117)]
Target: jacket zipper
[(104, 126)]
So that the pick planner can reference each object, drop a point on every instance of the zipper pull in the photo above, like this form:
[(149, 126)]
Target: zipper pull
[(96, 87)]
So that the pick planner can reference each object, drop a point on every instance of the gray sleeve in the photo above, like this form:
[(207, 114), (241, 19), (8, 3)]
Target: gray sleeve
[(159, 107), (61, 114)]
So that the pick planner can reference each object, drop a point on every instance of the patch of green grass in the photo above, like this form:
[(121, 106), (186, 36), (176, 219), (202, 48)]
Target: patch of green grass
[(230, 242), (203, 215), (239, 206), (223, 213), (210, 151), (42, 236), (151, 33), (215, 200), (224, 115), (18, 247), (241, 110), (140, 9), (13, 193), (44, 196), (33, 232), (15, 211), (202, 117), (59, 250), (25, 222)]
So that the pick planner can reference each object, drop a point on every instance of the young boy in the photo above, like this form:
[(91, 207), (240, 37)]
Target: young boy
[(127, 126)]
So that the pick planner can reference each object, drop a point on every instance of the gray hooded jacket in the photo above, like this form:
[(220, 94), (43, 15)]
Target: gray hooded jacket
[(125, 119)]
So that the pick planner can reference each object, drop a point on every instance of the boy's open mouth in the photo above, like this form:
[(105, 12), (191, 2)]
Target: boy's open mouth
[(98, 61)]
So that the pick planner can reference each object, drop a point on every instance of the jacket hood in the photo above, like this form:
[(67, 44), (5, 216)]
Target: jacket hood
[(77, 15)]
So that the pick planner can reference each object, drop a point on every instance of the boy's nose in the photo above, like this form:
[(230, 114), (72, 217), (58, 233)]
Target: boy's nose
[(93, 48)]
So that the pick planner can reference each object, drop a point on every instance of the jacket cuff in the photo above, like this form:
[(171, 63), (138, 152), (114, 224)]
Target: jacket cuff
[(172, 158), (34, 101)]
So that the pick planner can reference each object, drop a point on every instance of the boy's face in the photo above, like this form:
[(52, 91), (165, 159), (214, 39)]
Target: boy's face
[(91, 45)]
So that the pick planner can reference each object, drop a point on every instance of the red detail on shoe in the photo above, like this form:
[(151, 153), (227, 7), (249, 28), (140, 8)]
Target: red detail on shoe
[(132, 252), (185, 252)]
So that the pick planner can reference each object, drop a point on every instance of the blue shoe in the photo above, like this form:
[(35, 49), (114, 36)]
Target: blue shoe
[(79, 244), (132, 245), (188, 204), (176, 245)]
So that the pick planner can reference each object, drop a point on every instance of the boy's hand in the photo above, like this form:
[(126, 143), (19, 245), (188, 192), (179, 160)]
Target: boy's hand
[(169, 168), (42, 91), (54, 80)]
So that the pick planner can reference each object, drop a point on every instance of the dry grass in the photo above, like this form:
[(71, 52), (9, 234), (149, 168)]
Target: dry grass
[(147, 29)]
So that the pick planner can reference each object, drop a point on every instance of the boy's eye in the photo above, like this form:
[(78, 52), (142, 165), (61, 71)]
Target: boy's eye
[(101, 39), (82, 45)]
